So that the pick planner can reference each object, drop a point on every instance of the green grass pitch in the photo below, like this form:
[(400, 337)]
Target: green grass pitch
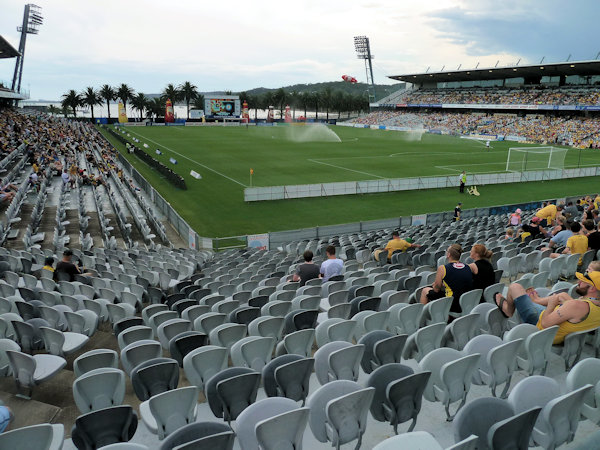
[(284, 155)]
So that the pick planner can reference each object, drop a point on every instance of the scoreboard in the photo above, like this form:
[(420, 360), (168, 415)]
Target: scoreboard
[(222, 106)]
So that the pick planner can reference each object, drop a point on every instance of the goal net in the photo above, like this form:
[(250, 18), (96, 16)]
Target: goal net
[(521, 159)]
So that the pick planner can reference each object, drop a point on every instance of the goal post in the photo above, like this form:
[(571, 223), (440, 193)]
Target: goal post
[(521, 159)]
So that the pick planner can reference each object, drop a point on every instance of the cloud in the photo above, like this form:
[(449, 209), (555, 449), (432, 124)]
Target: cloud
[(528, 29)]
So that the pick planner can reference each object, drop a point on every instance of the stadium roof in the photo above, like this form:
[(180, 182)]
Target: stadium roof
[(7, 50), (582, 68)]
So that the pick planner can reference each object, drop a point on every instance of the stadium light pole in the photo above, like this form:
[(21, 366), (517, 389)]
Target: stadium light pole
[(363, 51), (32, 19)]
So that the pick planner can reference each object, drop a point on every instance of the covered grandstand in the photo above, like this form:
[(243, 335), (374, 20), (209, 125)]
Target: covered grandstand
[(8, 95)]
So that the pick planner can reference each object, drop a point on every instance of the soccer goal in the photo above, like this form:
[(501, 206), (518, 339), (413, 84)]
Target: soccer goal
[(521, 159)]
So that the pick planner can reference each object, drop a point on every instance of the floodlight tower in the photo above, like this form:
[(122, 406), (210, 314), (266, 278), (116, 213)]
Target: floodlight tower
[(32, 19), (363, 51)]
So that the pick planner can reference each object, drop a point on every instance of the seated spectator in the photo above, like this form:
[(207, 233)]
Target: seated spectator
[(510, 233), (332, 266), (593, 235), (395, 244), (49, 264), (571, 211), (515, 218), (578, 243), (560, 240), (306, 271), (452, 280), (569, 314), (66, 266), (533, 229), (483, 271)]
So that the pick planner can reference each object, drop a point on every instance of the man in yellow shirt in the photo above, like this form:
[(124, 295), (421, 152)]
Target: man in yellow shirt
[(578, 243), (569, 314), (395, 244), (548, 213)]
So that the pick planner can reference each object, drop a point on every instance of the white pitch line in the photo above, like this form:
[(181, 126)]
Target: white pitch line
[(190, 159), (345, 168)]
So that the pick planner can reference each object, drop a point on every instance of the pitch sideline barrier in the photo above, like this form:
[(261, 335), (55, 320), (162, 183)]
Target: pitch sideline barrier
[(254, 194)]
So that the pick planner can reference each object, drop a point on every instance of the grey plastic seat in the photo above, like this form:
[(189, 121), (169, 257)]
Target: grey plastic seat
[(572, 346), (367, 321), (276, 308), (559, 418), (436, 311), (171, 328), (161, 317), (99, 388), (6, 344), (29, 371), (284, 430), (95, 359), (451, 375), (267, 326), (208, 322), (134, 334), (468, 301), (298, 342), (501, 361), (405, 319), (82, 321), (201, 364), (263, 410), (28, 334), (210, 435), (293, 379), (253, 351), (138, 352), (338, 360), (35, 437), (587, 371), (300, 320), (536, 348), (414, 439), (154, 376), (119, 312), (167, 412), (191, 313), (514, 432), (477, 418), (61, 344), (338, 412), (423, 341), (227, 334), (104, 427), (150, 310), (369, 340), (460, 331), (231, 391), (184, 343)]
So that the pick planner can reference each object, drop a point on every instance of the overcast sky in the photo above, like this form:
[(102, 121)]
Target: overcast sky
[(240, 45)]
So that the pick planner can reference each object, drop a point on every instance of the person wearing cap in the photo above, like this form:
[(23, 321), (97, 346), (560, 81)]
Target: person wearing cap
[(395, 244), (548, 213), (457, 211), (571, 315), (515, 218)]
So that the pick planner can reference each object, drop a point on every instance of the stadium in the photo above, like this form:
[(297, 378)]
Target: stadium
[(284, 268)]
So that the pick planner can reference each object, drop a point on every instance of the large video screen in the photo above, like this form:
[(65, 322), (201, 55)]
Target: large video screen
[(222, 107)]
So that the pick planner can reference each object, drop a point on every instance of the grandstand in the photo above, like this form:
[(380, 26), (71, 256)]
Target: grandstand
[(149, 306)]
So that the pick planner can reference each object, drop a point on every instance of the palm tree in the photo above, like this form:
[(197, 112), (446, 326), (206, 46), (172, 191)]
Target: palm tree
[(125, 93), (304, 99), (189, 92), (199, 102), (253, 101), (315, 98), (108, 94), (279, 98), (172, 93), (52, 110), (91, 98), (294, 100), (156, 107), (266, 99), (326, 100), (71, 100), (140, 102)]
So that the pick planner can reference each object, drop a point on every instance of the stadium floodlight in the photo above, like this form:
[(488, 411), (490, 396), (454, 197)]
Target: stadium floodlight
[(363, 51), (32, 19)]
